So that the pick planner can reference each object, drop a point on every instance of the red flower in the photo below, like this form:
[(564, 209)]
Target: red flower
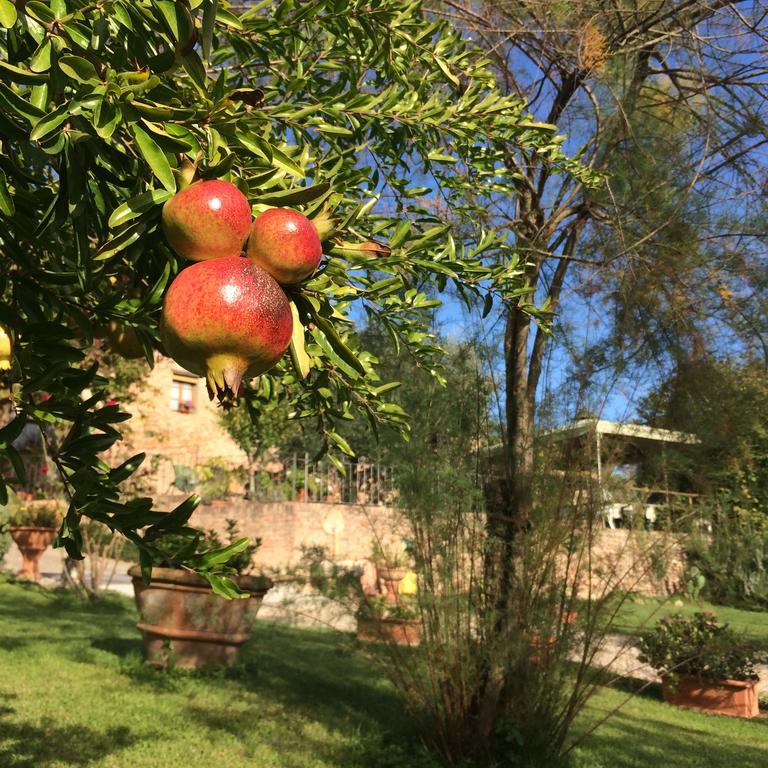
[(110, 402), (44, 470)]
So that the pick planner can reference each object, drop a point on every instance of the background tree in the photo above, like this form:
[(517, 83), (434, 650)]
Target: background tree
[(635, 85)]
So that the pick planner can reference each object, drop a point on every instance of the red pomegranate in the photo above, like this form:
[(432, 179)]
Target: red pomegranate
[(228, 320), (286, 244), (207, 220)]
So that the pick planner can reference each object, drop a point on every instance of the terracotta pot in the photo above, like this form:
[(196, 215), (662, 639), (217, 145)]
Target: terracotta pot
[(186, 625), (32, 541), (539, 648), (735, 698), (390, 579), (392, 631)]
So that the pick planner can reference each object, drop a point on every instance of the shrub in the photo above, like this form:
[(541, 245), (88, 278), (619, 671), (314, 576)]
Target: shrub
[(696, 646)]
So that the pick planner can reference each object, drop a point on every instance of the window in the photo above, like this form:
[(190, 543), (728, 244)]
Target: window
[(183, 391)]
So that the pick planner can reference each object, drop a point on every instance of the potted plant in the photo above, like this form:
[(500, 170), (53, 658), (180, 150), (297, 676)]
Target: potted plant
[(391, 568), (381, 621), (33, 526), (702, 665), (183, 622)]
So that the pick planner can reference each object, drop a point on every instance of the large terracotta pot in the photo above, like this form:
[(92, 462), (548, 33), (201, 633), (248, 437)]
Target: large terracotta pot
[(186, 625), (32, 541), (390, 579), (735, 698), (392, 631)]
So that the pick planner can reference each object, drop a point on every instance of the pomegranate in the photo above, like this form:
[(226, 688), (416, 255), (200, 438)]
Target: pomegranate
[(286, 244), (228, 320), (207, 220)]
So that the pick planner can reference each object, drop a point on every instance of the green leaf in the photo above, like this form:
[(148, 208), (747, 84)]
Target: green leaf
[(341, 443), (121, 241), (337, 462), (40, 11), (12, 430), (155, 158), (14, 103), (18, 464), (228, 19), (294, 196), (225, 587), (79, 69), (177, 18), (209, 22), (220, 556), (106, 118), (41, 58), (299, 356), (6, 200), (19, 75), (446, 70), (136, 206), (8, 14), (48, 124)]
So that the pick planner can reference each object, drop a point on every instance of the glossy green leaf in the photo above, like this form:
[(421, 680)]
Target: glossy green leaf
[(41, 58), (106, 118), (297, 349), (48, 124), (78, 68), (155, 158), (6, 200), (137, 205), (296, 196), (18, 75), (209, 22), (8, 14)]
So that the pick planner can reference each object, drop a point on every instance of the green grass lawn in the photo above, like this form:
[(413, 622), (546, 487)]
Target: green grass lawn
[(73, 692), (640, 613)]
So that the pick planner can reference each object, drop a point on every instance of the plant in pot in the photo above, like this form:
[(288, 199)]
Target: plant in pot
[(391, 568), (183, 621), (703, 665), (382, 621), (33, 525)]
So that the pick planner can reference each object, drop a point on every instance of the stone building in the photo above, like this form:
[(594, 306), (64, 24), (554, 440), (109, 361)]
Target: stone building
[(177, 426)]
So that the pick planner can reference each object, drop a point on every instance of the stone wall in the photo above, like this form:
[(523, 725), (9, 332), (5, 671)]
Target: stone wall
[(649, 562), (638, 561), (346, 531), (170, 437)]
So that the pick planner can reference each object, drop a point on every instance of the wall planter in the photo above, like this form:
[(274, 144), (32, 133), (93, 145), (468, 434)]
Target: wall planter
[(734, 698), (184, 624), (32, 541), (390, 630), (390, 579)]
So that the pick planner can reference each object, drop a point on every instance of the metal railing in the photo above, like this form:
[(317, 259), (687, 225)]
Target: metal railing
[(290, 478)]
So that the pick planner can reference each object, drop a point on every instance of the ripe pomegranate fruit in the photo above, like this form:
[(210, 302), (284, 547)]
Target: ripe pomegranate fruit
[(207, 220), (286, 244), (228, 320)]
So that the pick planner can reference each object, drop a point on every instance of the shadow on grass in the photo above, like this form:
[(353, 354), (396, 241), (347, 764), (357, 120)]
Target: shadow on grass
[(28, 745), (637, 742)]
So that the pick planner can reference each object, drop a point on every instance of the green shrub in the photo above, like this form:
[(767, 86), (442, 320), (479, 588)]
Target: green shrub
[(696, 646)]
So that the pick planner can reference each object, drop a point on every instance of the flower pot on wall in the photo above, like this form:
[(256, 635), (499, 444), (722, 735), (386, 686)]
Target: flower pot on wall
[(389, 630), (735, 698), (32, 541), (186, 625)]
